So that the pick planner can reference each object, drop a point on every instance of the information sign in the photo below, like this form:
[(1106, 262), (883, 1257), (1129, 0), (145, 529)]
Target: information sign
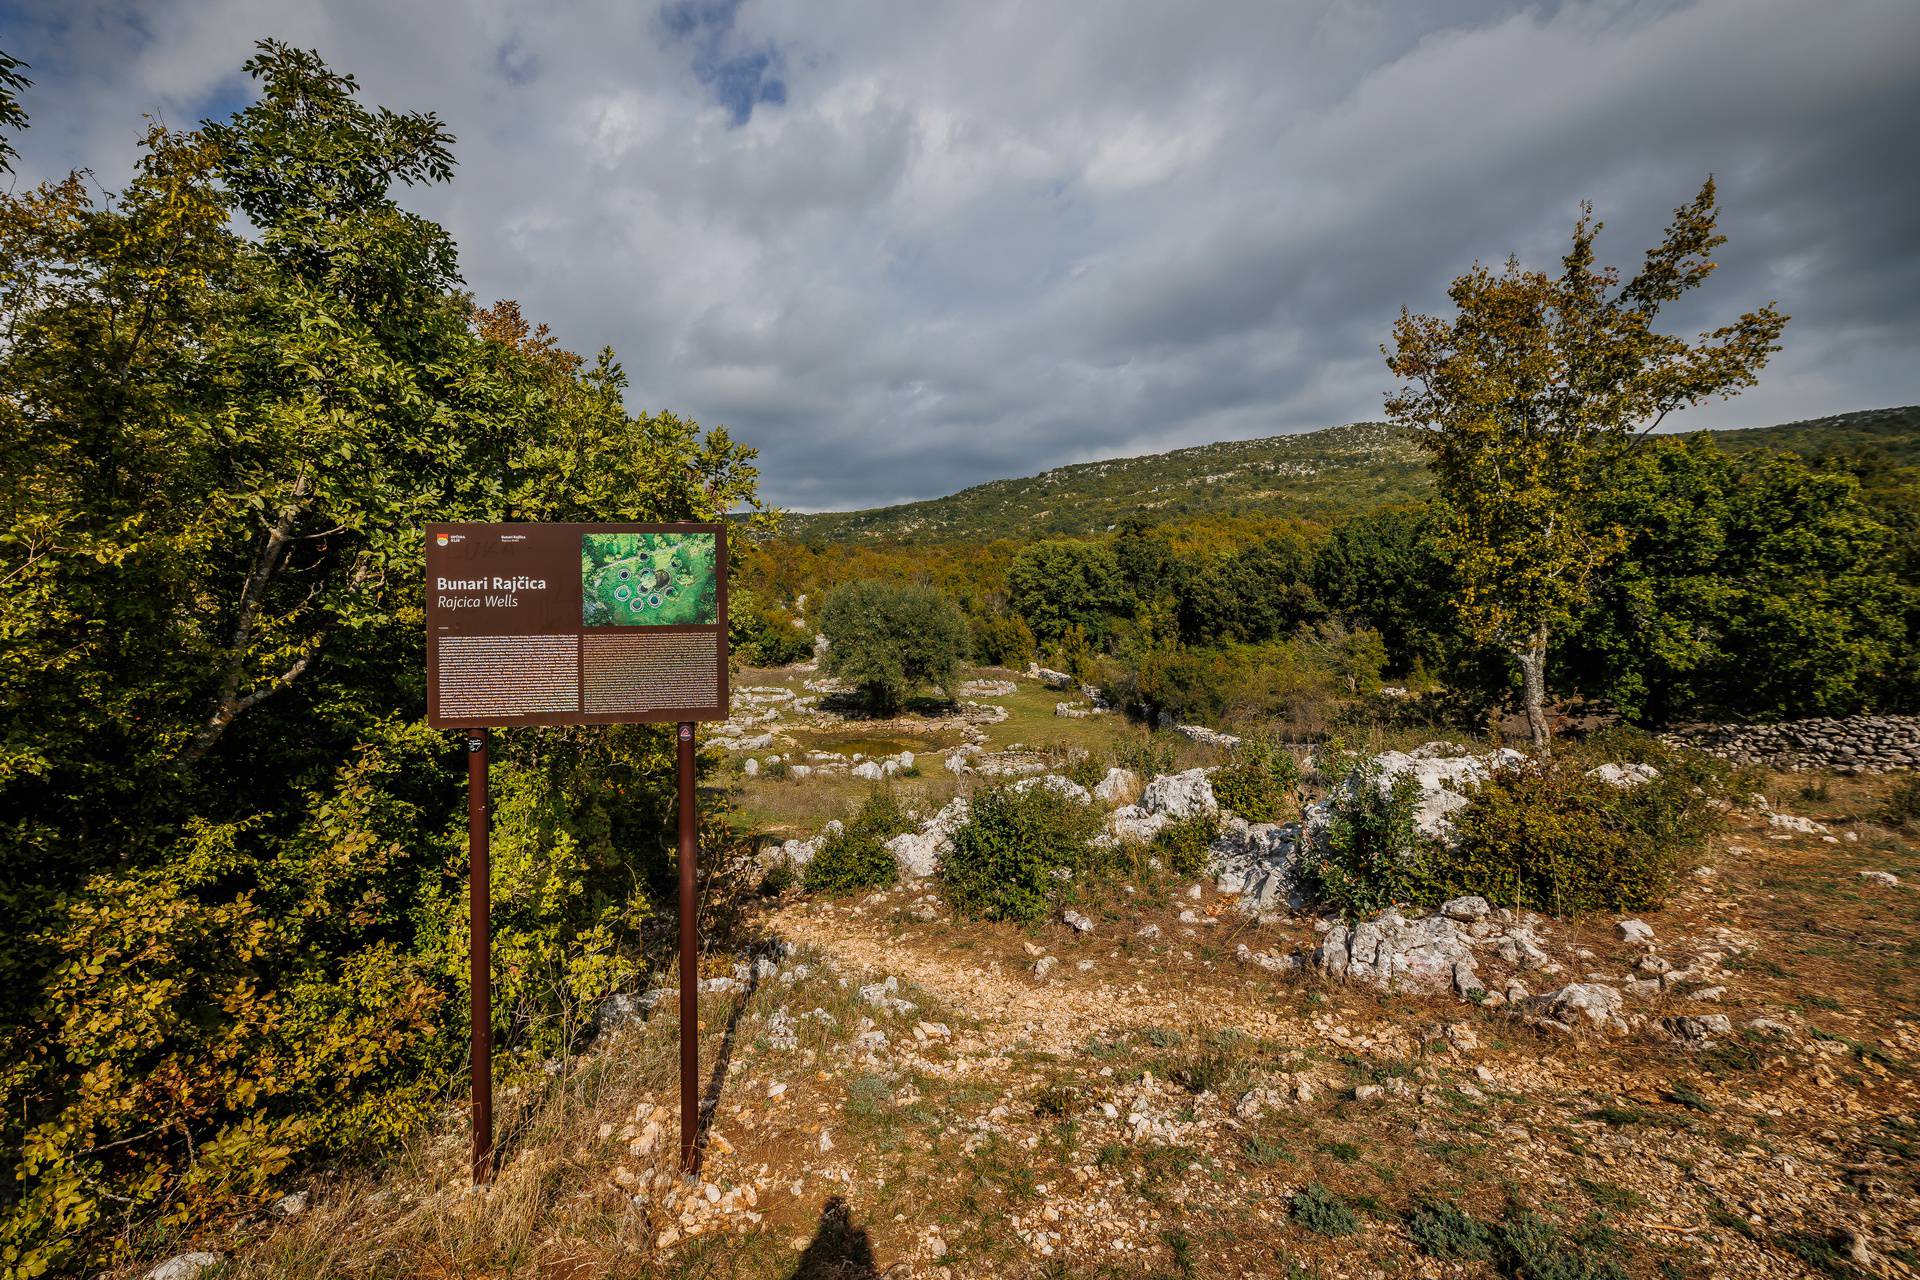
[(541, 624), (546, 624)]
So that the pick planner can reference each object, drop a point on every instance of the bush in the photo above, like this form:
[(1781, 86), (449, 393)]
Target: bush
[(1541, 835), (856, 857), (1001, 641), (1369, 856), (1546, 837), (891, 640), (764, 635), (1262, 782), (1442, 1229), (1526, 1244), (1184, 844), (1322, 1212), (1015, 851)]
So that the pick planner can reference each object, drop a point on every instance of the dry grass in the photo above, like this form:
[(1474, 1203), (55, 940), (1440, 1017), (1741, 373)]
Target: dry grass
[(990, 1151)]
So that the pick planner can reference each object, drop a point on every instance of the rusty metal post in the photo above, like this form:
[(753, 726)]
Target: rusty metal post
[(689, 960), (480, 974)]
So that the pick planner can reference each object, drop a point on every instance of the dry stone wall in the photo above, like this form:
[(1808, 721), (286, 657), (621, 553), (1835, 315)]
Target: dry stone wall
[(1855, 744)]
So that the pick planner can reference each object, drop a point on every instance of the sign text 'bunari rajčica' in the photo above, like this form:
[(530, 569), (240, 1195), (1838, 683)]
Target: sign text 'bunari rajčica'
[(531, 624)]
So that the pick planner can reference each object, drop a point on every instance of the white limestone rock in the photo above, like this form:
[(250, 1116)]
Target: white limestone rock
[(1260, 862), (1394, 953), (1058, 785), (1120, 786), (1051, 679), (1591, 1004), (918, 853), (1180, 795), (1133, 823), (184, 1266), (1634, 930)]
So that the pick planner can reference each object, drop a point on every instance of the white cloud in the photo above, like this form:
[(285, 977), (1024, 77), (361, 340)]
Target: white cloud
[(909, 248)]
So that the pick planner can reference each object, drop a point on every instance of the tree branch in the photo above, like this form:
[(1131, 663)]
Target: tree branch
[(228, 702)]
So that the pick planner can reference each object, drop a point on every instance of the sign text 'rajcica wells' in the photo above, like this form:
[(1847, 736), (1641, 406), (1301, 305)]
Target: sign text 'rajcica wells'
[(575, 623)]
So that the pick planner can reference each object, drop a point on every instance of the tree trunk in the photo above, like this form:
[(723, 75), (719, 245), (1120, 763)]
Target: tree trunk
[(1533, 675), (229, 702)]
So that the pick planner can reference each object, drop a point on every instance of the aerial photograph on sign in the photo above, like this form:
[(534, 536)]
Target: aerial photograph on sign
[(648, 579)]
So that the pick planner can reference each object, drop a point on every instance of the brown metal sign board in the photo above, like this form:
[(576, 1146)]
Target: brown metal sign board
[(542, 624)]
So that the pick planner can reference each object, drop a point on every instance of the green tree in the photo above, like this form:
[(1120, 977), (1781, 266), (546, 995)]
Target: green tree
[(1001, 640), (1528, 399), (1258, 593), (1384, 571), (1062, 584), (892, 639), (229, 846), (1753, 586)]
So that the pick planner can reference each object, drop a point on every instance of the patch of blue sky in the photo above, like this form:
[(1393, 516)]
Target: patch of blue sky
[(740, 79)]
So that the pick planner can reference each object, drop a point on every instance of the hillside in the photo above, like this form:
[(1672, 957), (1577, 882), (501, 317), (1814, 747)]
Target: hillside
[(1314, 475)]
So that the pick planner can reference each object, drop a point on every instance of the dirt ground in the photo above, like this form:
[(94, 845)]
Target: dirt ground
[(1155, 1106)]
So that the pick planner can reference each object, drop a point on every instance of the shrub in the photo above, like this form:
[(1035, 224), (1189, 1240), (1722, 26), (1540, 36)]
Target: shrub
[(1541, 835), (1443, 1229), (1184, 843), (1546, 837), (856, 857), (764, 635), (1015, 850), (892, 640), (1001, 641), (1368, 856), (1218, 1064), (1262, 782), (1322, 1212), (1526, 1244)]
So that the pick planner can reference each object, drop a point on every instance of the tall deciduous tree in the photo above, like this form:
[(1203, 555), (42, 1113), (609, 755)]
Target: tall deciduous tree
[(12, 114), (234, 919), (1529, 396)]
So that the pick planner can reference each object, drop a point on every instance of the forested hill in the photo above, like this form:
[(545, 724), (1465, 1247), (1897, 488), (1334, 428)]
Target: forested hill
[(1318, 473), (1314, 475)]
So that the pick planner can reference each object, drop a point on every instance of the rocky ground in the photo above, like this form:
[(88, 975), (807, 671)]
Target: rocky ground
[(1181, 1081)]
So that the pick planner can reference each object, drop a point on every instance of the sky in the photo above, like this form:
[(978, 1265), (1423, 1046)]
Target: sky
[(903, 248)]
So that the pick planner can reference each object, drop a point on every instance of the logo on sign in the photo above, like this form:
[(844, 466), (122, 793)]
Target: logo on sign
[(440, 538)]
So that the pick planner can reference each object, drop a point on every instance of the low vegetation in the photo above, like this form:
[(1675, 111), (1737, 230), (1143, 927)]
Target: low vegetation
[(856, 856), (1017, 851), (1261, 783), (1545, 834)]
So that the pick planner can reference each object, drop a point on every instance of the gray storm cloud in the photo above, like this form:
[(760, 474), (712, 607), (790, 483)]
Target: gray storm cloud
[(908, 248)]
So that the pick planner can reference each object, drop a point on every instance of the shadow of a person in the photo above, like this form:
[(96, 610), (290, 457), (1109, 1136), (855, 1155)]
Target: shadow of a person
[(839, 1250)]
